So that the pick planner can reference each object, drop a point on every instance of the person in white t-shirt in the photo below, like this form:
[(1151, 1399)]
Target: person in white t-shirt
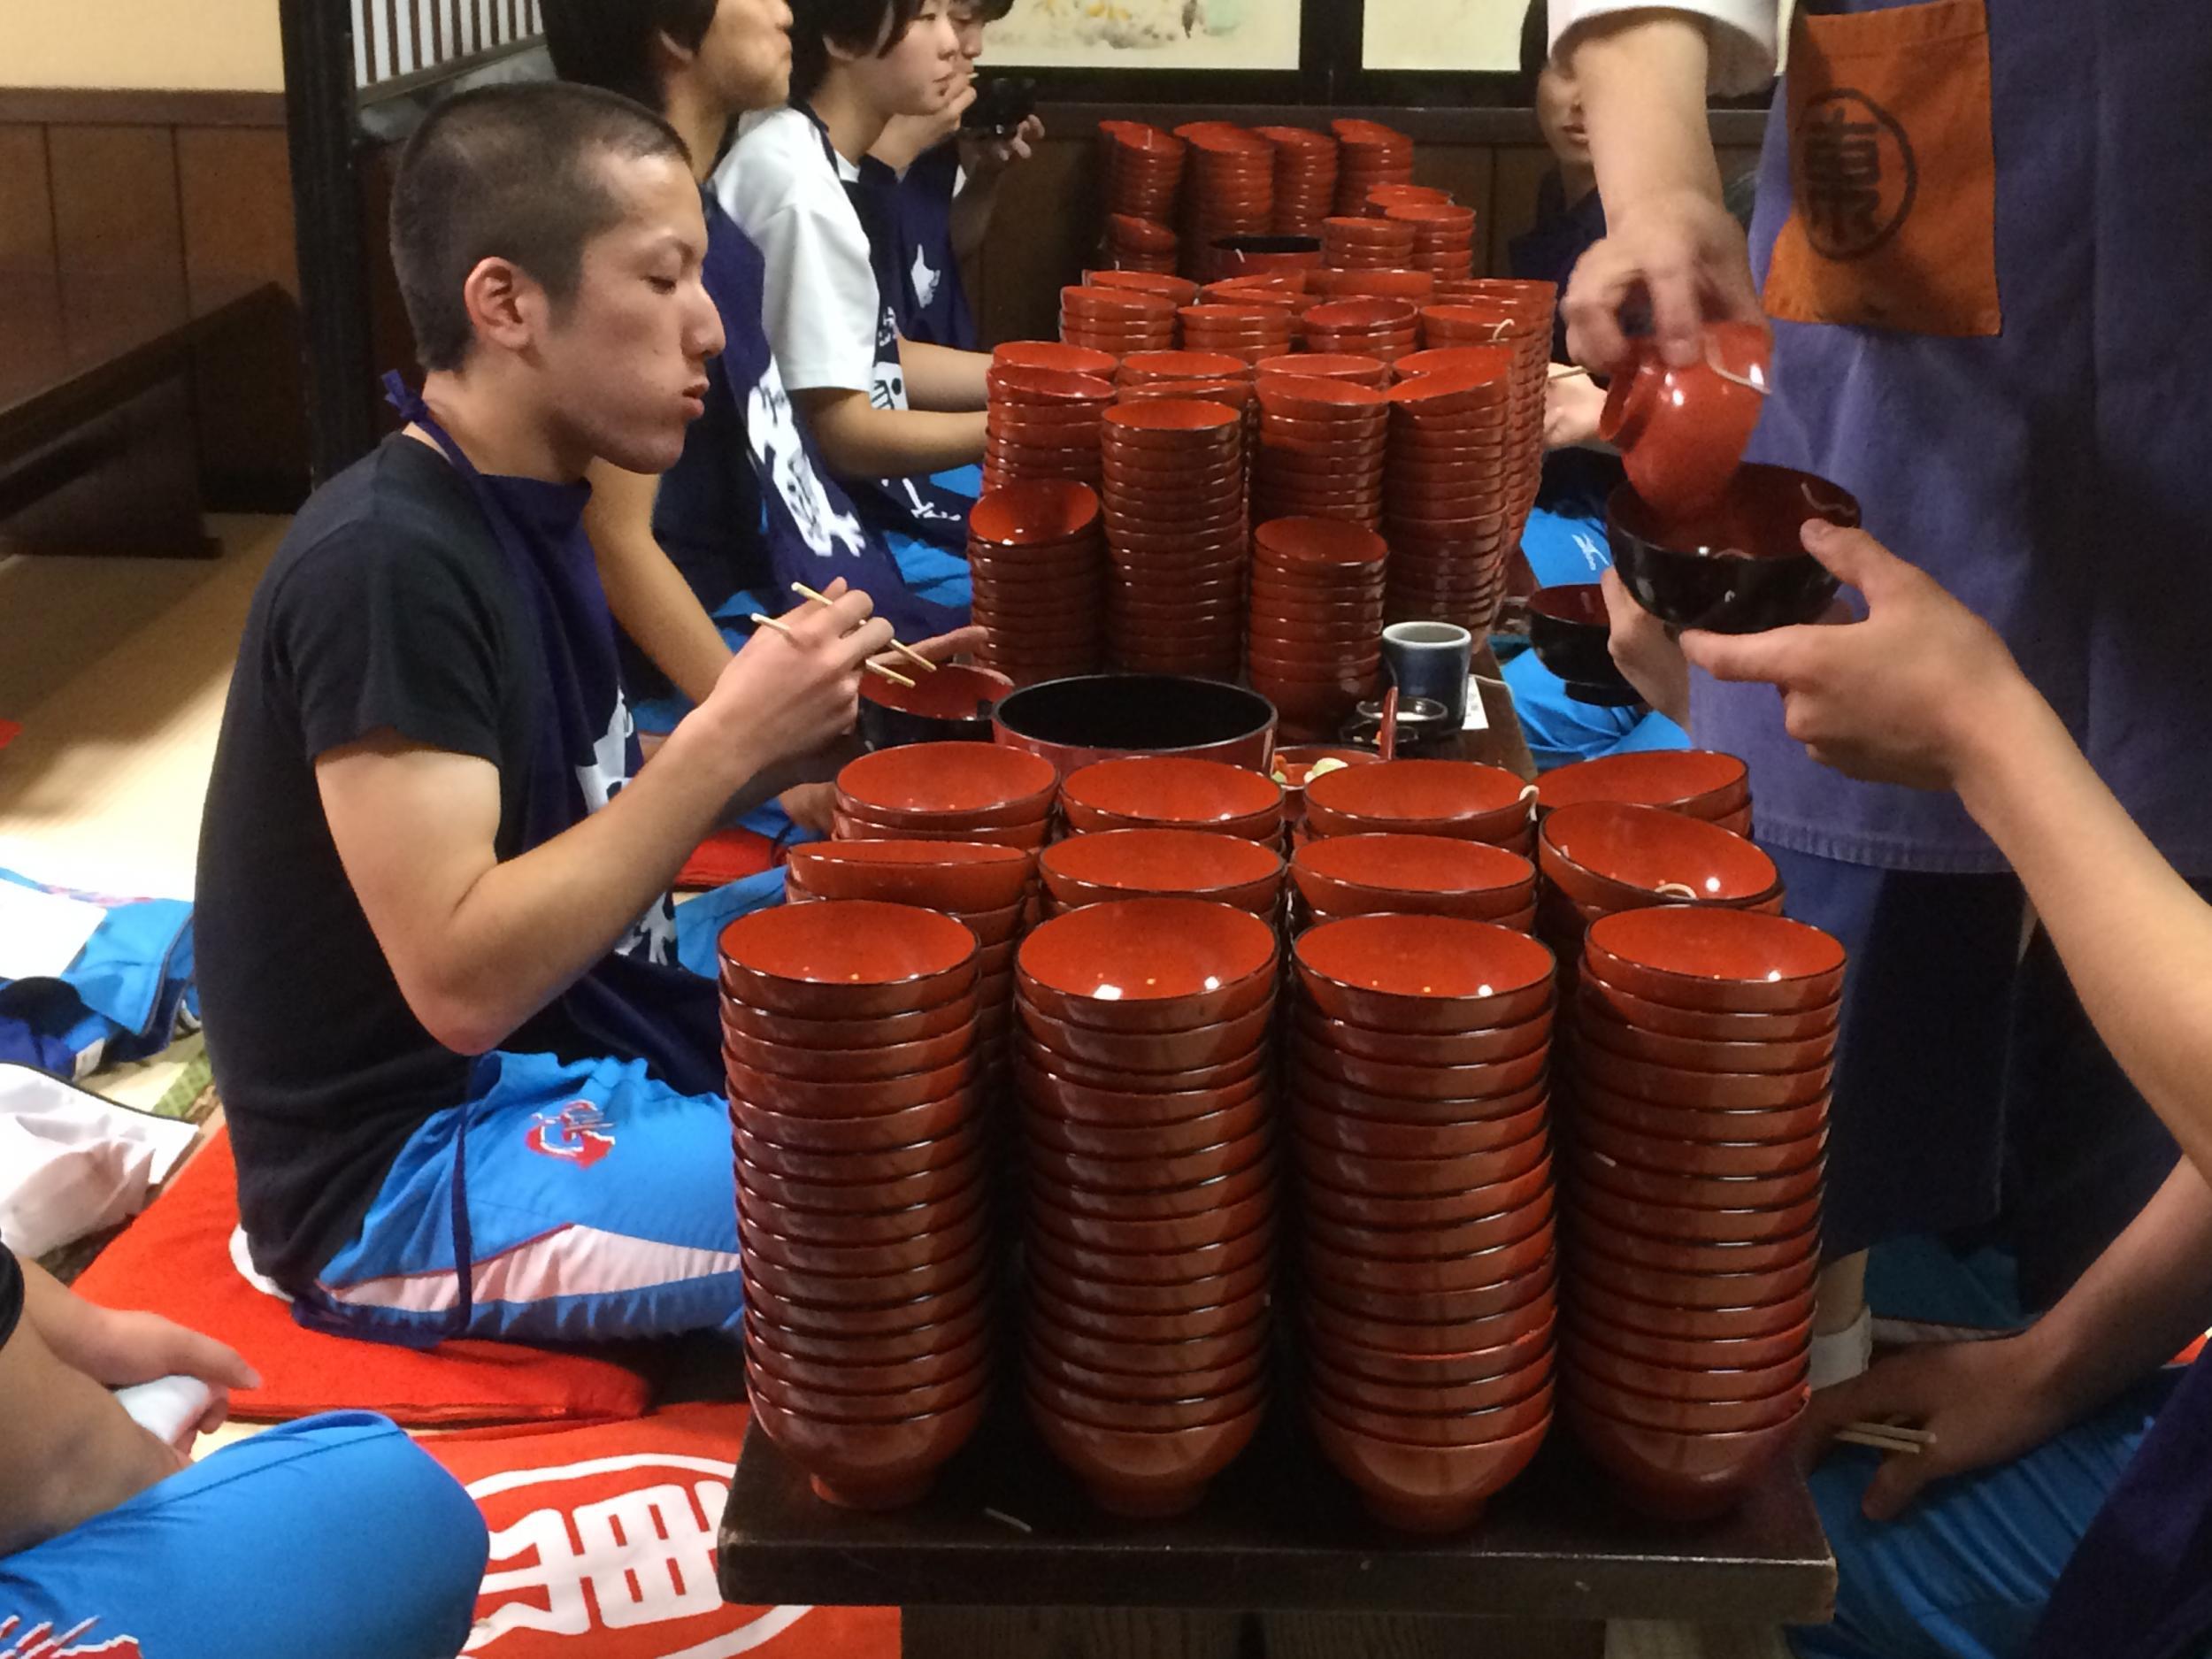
[(801, 183)]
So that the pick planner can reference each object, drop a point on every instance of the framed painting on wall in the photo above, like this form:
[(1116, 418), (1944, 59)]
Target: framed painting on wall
[(1090, 36), (1442, 36)]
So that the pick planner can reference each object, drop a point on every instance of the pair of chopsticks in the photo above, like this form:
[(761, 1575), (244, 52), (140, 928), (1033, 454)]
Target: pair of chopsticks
[(1886, 1437), (891, 674)]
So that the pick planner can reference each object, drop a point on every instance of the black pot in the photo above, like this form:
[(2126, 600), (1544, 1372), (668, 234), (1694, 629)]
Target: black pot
[(1569, 631), (1098, 716)]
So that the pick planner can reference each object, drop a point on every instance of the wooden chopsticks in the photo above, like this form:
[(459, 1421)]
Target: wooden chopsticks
[(907, 651), (891, 674), (1886, 1437)]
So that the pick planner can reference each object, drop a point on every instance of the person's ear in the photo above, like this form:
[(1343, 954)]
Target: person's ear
[(506, 306), (841, 53), (669, 55)]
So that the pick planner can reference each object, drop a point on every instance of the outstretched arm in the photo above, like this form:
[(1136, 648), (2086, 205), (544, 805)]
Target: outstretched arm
[(1643, 75), (1923, 693), (2145, 1300)]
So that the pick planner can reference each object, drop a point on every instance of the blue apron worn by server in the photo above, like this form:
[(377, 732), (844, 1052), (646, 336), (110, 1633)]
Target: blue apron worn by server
[(932, 298)]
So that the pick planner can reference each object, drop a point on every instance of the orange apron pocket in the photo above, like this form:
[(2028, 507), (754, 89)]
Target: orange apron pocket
[(1893, 176)]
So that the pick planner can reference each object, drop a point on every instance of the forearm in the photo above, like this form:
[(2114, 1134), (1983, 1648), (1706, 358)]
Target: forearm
[(1643, 77), (940, 377), (2145, 1300), (860, 441), (528, 928), (649, 596), (2135, 938)]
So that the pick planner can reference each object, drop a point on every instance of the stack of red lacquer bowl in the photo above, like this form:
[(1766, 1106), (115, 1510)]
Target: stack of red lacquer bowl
[(1056, 356), (1305, 179), (1131, 243), (1356, 243), (1176, 533), (1246, 332), (1385, 328), (1462, 799), (1041, 424), (1144, 170), (1321, 451), (1182, 290), (1328, 365), (983, 886), (1695, 1130), (1417, 1104), (1452, 487), (1147, 1129), (1343, 876), (1369, 154), (1173, 792), (1698, 782), (1501, 311), (1601, 858), (863, 1186), (1313, 639), (1443, 238), (1110, 866), (1229, 190), (948, 792), (1117, 320), (1037, 556)]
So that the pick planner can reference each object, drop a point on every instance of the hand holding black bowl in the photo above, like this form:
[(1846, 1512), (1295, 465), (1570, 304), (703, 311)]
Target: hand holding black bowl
[(1738, 567)]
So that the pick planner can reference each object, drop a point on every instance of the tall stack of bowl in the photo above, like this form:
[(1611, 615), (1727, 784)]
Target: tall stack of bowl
[(1108, 867), (1344, 876), (1369, 154), (1131, 244), (861, 1189), (1182, 290), (1601, 858), (1368, 327), (1697, 1126), (1443, 237), (1144, 170), (1041, 423), (1462, 799), (953, 792), (1037, 556), (1321, 451), (1147, 1124), (1452, 489), (1419, 1127), (1313, 642), (1700, 783), (1228, 190), (1504, 311), (1117, 320), (1056, 355), (984, 886), (1358, 242), (1305, 179), (1176, 535), (1173, 792), (1246, 331)]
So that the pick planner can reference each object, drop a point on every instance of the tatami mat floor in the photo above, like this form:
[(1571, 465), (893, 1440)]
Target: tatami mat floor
[(118, 670)]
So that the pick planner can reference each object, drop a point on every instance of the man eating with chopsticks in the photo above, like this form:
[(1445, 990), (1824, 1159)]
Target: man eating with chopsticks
[(469, 1089)]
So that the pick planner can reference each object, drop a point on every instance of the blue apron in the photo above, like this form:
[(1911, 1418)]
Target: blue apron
[(2048, 473), (637, 1002), (929, 297), (919, 507), (749, 509)]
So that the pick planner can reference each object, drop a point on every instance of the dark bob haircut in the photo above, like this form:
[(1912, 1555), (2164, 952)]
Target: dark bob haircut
[(1535, 44), (857, 26), (508, 173)]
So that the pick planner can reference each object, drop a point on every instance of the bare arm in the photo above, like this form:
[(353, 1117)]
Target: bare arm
[(478, 945), (861, 441), (940, 377), (2145, 1299), (1923, 693), (1642, 76), (649, 596), (986, 162)]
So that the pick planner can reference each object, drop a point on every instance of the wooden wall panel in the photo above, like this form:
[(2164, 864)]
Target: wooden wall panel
[(115, 200), (235, 194), (1521, 171), (26, 206)]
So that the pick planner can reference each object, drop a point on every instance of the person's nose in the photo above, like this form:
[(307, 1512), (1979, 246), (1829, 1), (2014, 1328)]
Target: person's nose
[(707, 336)]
